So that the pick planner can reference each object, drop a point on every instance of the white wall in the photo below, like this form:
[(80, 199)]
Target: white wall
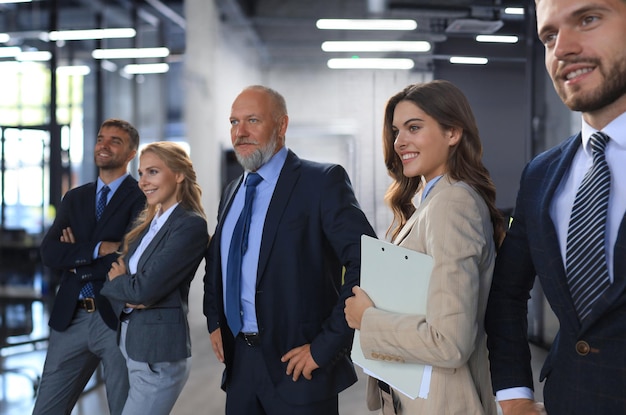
[(323, 105)]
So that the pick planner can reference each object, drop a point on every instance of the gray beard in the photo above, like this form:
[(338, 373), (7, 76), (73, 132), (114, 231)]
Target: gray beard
[(259, 157)]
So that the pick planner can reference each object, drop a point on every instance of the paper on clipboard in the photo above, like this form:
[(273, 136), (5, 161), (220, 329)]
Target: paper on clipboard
[(396, 279)]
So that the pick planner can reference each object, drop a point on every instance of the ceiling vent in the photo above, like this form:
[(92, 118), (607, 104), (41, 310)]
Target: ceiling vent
[(474, 26)]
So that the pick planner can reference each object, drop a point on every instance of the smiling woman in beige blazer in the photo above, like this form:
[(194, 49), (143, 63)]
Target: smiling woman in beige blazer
[(443, 202)]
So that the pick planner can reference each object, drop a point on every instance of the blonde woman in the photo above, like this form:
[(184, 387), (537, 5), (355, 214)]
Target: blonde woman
[(149, 285)]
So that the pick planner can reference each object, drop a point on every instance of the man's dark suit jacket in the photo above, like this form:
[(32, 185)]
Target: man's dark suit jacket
[(312, 228), (585, 371), (78, 211)]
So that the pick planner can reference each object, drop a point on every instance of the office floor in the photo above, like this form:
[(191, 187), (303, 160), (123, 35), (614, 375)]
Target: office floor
[(201, 394)]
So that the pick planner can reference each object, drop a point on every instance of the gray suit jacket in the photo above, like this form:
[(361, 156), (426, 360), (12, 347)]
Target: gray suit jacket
[(454, 227), (160, 332)]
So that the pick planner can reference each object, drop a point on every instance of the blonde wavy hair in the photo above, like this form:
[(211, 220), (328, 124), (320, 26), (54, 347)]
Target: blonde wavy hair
[(189, 192)]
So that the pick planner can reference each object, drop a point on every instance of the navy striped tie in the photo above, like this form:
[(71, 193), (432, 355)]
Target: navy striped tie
[(587, 271), (238, 247)]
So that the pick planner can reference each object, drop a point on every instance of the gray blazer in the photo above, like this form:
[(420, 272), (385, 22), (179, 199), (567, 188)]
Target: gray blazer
[(160, 332)]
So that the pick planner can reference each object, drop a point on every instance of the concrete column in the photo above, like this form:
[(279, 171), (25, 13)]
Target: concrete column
[(199, 83)]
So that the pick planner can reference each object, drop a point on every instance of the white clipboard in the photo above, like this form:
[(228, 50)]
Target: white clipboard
[(396, 279)]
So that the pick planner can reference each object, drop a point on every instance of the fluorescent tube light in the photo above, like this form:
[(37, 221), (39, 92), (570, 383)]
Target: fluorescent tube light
[(34, 56), (497, 39), (366, 24), (10, 51), (15, 1), (4, 37), (130, 53), (514, 10), (73, 70), (396, 46), (358, 63), (146, 68), (92, 34), (468, 60)]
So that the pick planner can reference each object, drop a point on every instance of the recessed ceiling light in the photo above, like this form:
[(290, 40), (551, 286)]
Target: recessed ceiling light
[(73, 70), (146, 68), (497, 38), (376, 46), (366, 24), (92, 34), (358, 63), (514, 10), (130, 53), (467, 60), (34, 56)]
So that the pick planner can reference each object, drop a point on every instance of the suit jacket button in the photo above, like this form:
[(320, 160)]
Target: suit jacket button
[(582, 348)]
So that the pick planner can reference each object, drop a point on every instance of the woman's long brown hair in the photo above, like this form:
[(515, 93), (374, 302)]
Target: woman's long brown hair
[(444, 102)]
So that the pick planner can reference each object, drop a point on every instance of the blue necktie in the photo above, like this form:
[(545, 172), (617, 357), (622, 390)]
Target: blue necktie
[(587, 272), (87, 291), (102, 201), (238, 246)]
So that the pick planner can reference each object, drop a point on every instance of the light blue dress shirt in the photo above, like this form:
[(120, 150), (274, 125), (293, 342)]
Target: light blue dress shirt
[(270, 172)]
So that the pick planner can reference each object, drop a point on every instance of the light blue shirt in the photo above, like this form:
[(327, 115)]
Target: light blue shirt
[(429, 186), (270, 172), (113, 186), (563, 201)]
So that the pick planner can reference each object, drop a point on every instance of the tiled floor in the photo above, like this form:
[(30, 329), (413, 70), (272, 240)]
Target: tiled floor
[(201, 395)]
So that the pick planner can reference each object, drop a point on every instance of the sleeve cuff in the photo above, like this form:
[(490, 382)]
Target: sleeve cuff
[(515, 393)]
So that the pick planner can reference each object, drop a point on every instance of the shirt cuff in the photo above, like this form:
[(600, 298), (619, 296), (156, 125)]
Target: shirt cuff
[(515, 393), (96, 250)]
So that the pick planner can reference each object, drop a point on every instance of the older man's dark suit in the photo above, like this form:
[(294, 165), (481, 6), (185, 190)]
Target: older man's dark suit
[(313, 227), (78, 212), (579, 379)]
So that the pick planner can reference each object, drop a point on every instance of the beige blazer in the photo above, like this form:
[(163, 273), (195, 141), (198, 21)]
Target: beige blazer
[(453, 226)]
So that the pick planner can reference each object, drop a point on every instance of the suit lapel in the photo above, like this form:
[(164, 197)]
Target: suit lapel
[(282, 194), (119, 197), (556, 286), (150, 249)]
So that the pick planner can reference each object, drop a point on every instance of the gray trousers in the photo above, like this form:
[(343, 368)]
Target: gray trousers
[(73, 356), (154, 387)]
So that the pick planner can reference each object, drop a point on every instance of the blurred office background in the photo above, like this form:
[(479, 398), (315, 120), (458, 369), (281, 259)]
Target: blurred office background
[(173, 68)]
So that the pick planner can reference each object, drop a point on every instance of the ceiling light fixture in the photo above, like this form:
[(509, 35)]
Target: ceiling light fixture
[(467, 60), (92, 34), (497, 38), (146, 68), (358, 63), (70, 70), (4, 37), (10, 51), (130, 53), (366, 24), (15, 1), (514, 10), (376, 46), (34, 56)]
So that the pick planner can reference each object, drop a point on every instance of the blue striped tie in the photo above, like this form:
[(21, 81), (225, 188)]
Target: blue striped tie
[(587, 272)]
